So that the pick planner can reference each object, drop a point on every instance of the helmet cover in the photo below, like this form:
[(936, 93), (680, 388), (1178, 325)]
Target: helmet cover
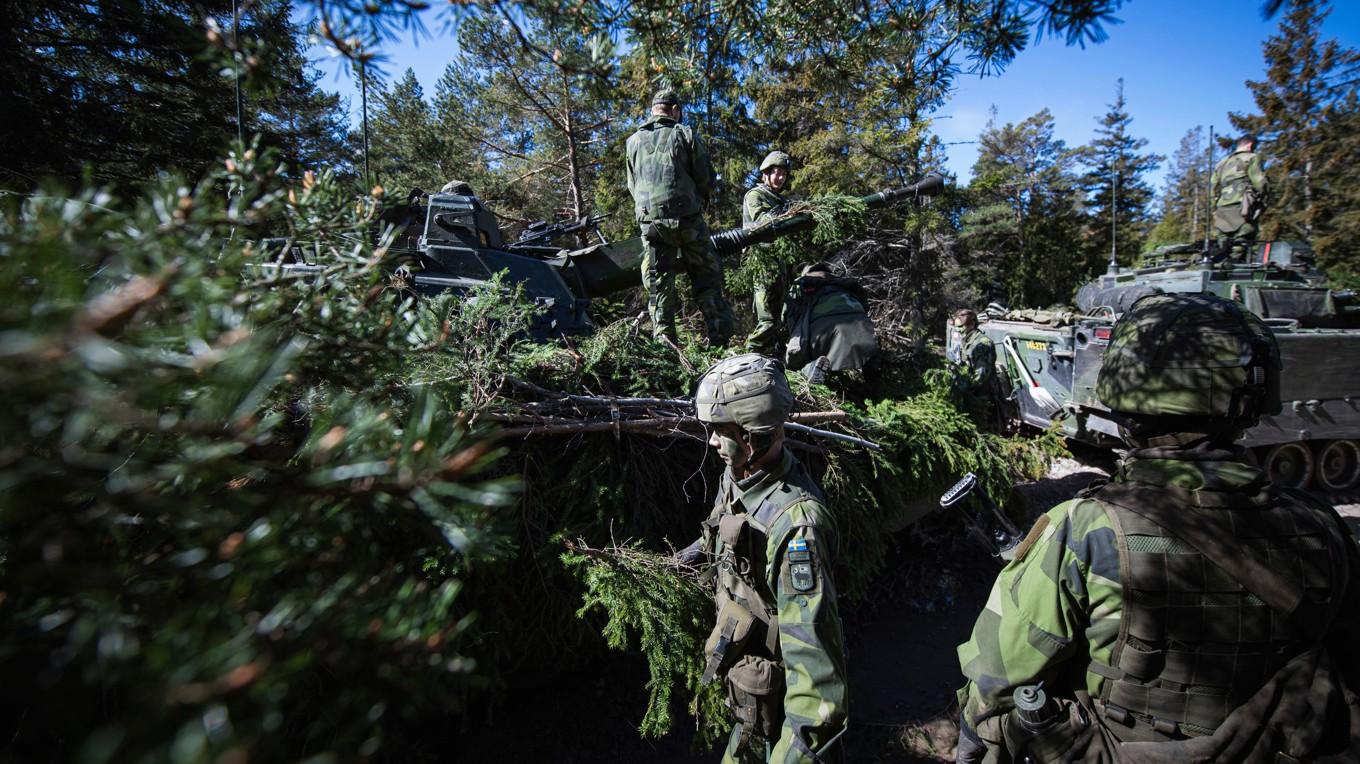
[(1192, 355), (749, 390)]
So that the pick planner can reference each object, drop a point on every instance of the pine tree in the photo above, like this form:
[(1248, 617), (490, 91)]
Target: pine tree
[(539, 116), (1185, 212), (1306, 125), (1025, 218), (123, 89), (405, 147), (1117, 196)]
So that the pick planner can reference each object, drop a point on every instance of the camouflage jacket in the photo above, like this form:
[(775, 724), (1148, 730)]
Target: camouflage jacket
[(760, 204), (1055, 613), (787, 504), (1236, 173), (669, 174), (978, 355)]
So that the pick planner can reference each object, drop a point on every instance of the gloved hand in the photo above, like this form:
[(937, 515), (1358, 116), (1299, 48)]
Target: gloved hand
[(692, 555)]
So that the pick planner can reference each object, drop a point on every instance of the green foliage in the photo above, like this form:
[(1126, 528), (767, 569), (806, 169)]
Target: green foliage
[(125, 90), (837, 217), (1022, 235), (670, 611), (217, 511)]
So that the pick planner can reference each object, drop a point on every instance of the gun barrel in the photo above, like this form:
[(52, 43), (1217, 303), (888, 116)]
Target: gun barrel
[(735, 240)]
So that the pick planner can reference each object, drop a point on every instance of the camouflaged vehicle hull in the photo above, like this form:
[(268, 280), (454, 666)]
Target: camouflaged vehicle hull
[(1051, 366)]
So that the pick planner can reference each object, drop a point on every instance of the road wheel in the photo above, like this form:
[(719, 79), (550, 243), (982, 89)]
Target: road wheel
[(1289, 465), (1339, 465)]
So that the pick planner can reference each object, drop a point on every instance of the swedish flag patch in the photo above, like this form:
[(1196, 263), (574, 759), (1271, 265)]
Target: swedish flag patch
[(802, 565)]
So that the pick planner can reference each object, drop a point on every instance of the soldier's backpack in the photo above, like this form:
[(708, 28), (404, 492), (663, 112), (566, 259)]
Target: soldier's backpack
[(828, 319)]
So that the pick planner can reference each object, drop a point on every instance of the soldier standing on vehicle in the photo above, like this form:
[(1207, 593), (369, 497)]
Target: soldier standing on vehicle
[(1239, 190), (670, 178), (762, 203), (777, 644), (1188, 609)]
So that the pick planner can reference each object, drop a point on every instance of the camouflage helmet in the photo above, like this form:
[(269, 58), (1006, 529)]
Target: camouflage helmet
[(776, 159), (748, 390), (1191, 355)]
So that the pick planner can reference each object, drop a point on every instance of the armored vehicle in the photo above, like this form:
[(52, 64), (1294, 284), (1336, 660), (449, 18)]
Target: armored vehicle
[(451, 242), (1050, 358)]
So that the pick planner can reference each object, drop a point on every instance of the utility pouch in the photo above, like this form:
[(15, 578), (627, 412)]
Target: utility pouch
[(727, 640), (1251, 209), (755, 693)]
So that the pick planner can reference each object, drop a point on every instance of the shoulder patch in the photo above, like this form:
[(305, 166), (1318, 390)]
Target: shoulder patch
[(802, 565), (1031, 538)]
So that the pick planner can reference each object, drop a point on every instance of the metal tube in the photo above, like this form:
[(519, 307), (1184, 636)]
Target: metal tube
[(236, 44), (363, 89)]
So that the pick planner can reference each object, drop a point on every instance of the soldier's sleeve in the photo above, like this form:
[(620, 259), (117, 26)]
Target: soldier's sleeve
[(1214, 178), (701, 168), (810, 639), (1039, 615), (1256, 174), (628, 164)]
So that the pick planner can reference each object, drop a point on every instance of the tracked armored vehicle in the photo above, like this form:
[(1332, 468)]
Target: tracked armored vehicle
[(1049, 359)]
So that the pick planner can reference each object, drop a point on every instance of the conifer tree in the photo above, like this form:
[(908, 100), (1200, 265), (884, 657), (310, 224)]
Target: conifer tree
[(1025, 219), (1184, 209), (124, 90), (1306, 125), (1118, 199)]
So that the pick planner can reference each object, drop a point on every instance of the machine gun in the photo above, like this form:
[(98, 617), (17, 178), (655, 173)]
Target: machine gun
[(991, 527), (541, 234)]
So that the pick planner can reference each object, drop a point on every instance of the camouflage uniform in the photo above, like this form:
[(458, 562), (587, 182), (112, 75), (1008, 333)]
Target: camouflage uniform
[(1113, 602), (1235, 174), (669, 176), (784, 516), (977, 355), (761, 204), (777, 642)]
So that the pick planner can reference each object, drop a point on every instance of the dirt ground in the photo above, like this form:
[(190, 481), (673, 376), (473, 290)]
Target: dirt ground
[(901, 649)]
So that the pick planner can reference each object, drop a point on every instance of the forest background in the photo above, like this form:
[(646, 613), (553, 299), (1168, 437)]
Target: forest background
[(302, 455)]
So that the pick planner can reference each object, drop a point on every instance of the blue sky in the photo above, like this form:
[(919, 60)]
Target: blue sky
[(1184, 64)]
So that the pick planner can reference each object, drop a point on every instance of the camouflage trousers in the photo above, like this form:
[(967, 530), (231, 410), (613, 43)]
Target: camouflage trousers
[(1229, 225), (768, 300), (670, 246)]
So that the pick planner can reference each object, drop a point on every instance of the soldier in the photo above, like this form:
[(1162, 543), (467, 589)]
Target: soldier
[(1239, 189), (761, 204), (1188, 609), (975, 352), (777, 644), (670, 177)]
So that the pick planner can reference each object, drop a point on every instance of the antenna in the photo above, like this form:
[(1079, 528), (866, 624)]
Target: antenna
[(236, 43), (1209, 195), (363, 89), (1114, 225)]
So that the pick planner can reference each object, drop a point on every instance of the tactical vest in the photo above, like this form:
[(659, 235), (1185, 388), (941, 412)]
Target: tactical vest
[(1195, 643), (661, 153), (1233, 180), (748, 616)]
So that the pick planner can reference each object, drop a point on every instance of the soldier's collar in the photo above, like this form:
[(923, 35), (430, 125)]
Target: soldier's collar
[(753, 490), (653, 119)]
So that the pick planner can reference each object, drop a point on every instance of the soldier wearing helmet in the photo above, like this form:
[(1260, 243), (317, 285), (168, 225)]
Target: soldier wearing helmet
[(1239, 191), (762, 203), (777, 644), (1187, 609), (670, 178)]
